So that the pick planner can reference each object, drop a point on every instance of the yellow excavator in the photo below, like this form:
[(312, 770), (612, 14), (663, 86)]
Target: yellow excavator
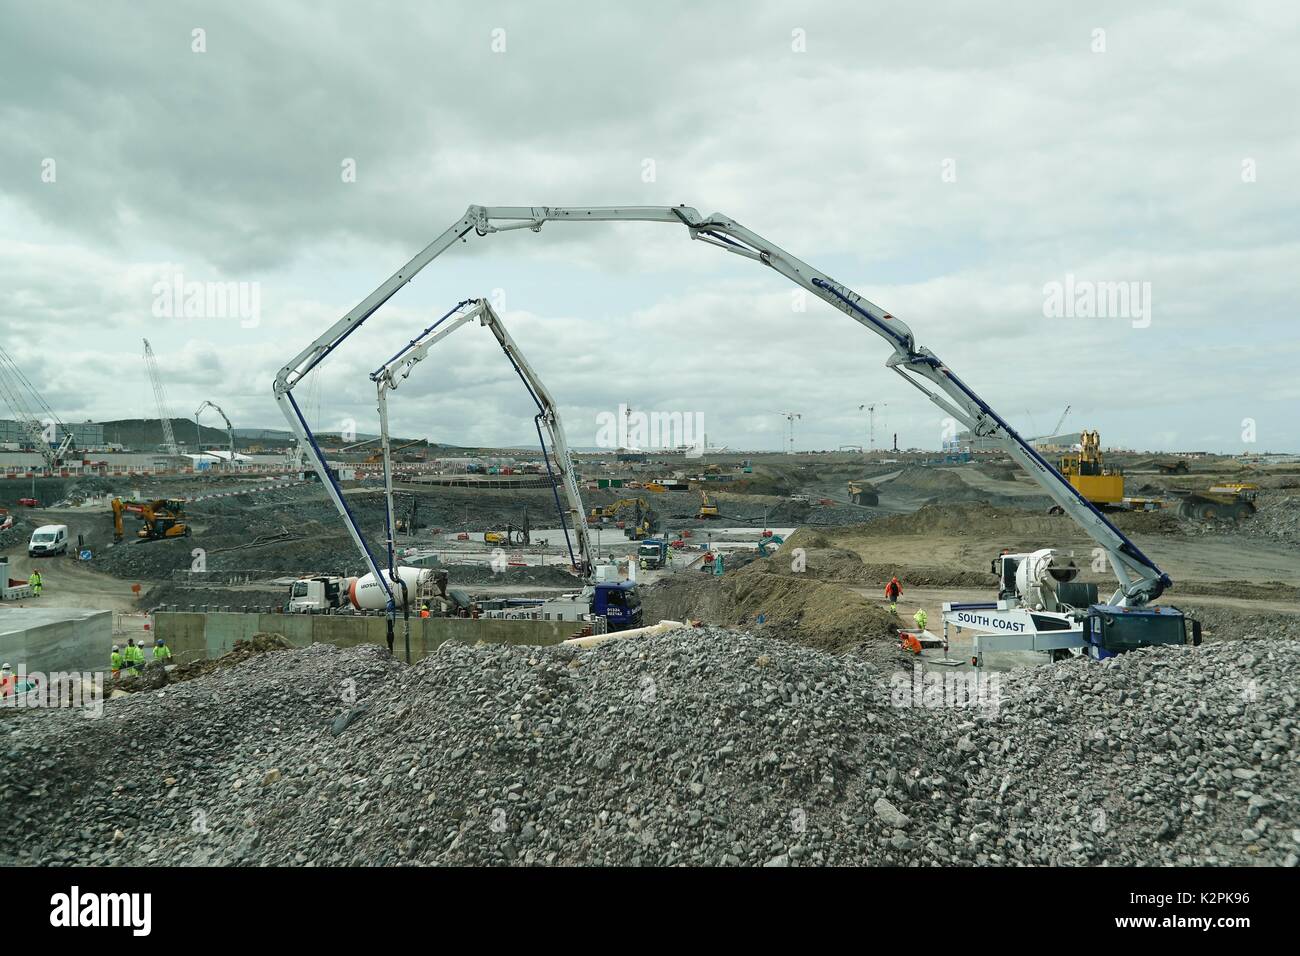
[(1089, 475), (161, 518), (708, 510), (644, 520)]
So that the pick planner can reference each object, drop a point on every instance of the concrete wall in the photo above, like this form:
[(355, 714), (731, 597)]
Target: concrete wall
[(56, 639), (194, 636)]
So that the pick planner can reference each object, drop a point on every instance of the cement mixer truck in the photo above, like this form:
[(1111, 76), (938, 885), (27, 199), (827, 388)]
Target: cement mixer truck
[(328, 594)]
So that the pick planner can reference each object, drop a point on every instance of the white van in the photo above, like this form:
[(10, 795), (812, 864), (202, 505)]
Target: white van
[(48, 539)]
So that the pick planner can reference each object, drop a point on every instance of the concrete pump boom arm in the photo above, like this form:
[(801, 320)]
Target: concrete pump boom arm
[(230, 429), (389, 375), (1140, 579)]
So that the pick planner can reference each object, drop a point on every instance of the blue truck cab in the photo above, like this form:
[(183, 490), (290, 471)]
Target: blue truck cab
[(653, 553), (1111, 630), (619, 602)]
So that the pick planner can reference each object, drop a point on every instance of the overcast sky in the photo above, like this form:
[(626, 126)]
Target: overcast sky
[(948, 161)]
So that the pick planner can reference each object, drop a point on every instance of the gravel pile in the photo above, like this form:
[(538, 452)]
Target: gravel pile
[(704, 747), (1278, 518)]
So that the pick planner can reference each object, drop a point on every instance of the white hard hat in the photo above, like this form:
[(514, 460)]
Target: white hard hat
[(116, 648)]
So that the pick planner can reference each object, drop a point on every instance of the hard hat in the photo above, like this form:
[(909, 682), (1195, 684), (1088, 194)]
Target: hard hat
[(116, 648), (158, 640)]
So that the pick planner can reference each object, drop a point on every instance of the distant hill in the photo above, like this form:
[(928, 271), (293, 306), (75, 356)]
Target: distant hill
[(146, 434)]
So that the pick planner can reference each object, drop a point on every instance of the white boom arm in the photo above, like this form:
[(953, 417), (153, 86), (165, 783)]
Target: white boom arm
[(1140, 580), (389, 375), (230, 429)]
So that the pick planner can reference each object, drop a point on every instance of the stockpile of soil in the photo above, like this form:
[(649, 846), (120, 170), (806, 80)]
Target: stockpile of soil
[(919, 479), (999, 472), (963, 518), (1148, 522), (801, 609), (842, 566)]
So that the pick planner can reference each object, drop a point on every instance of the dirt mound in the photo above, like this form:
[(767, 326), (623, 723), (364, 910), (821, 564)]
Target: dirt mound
[(964, 518), (999, 472), (842, 566), (801, 609), (1148, 522), (919, 478)]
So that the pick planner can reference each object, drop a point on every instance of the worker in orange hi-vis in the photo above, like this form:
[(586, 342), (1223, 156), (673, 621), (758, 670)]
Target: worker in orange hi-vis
[(893, 591)]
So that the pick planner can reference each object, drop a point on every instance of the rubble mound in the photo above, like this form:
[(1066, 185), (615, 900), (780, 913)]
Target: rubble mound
[(1278, 518), (700, 746), (156, 675)]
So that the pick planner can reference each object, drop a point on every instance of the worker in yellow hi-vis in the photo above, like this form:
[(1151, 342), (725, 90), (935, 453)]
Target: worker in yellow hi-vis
[(920, 618)]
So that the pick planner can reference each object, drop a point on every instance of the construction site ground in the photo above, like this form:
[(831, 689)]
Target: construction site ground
[(937, 527), (517, 755)]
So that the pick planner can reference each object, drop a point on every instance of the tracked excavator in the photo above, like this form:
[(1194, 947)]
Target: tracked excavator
[(161, 519), (1031, 611)]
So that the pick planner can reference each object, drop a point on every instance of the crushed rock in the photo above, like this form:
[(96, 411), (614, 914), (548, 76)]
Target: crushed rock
[(703, 746)]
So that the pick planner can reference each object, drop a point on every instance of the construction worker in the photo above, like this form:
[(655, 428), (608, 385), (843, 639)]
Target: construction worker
[(893, 591), (424, 610), (115, 661), (34, 579), (161, 652), (132, 657), (920, 618)]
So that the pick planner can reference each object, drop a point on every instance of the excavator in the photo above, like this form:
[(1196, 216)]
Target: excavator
[(645, 520), (1030, 612), (708, 510), (1090, 476), (378, 457), (161, 518)]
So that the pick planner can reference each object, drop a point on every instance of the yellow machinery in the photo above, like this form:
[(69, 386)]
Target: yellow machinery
[(862, 493), (162, 518), (1231, 501), (644, 520), (708, 510), (1089, 475)]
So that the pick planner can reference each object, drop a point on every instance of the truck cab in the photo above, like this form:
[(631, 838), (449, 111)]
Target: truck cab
[(318, 594), (619, 602), (1113, 630), (653, 553)]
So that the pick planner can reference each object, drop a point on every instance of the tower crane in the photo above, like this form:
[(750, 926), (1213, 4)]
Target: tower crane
[(1029, 605), (230, 431), (160, 397)]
